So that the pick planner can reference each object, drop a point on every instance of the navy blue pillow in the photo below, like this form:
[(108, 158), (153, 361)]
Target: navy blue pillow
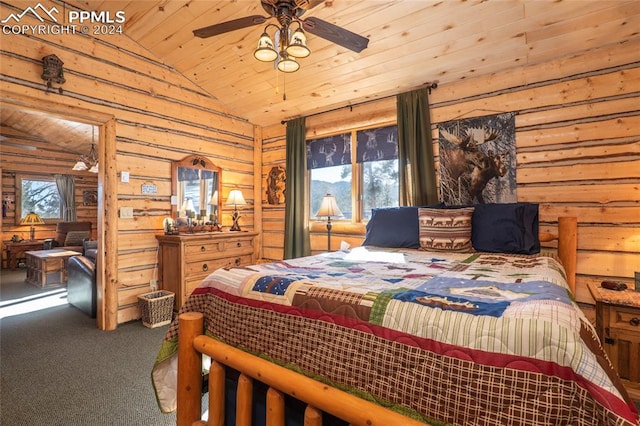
[(505, 228), (393, 227)]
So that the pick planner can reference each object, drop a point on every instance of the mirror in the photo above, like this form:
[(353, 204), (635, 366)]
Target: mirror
[(197, 188)]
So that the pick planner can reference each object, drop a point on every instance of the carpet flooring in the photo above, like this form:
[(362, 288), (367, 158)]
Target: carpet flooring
[(57, 368)]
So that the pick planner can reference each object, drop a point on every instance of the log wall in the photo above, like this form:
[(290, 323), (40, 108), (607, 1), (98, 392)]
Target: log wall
[(149, 115), (578, 151)]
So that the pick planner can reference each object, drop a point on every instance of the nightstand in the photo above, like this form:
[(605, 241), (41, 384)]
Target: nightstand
[(618, 327)]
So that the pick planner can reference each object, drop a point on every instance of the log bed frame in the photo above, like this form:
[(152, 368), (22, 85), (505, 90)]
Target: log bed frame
[(319, 396)]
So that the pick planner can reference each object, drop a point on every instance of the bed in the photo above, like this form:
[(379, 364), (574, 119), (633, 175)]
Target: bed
[(441, 333)]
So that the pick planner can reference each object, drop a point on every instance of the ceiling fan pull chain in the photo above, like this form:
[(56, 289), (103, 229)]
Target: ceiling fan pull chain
[(284, 87)]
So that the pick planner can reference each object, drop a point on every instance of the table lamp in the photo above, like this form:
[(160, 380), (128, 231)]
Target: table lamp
[(235, 199), (32, 219), (213, 216), (329, 208), (189, 209)]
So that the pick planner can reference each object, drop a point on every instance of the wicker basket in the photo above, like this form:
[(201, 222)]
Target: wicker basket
[(156, 308)]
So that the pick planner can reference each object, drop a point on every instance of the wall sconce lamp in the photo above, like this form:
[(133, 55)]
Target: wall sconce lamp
[(329, 208), (32, 219), (52, 71), (236, 199)]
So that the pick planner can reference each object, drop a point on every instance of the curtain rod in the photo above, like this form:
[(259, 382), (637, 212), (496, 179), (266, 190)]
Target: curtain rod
[(350, 106)]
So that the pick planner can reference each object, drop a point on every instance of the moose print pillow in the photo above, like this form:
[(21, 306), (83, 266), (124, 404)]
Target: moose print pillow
[(445, 229)]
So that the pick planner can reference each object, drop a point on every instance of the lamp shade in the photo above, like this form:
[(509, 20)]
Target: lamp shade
[(287, 63), (265, 51), (329, 207), (236, 198), (80, 165), (214, 199), (298, 45), (32, 219), (188, 205)]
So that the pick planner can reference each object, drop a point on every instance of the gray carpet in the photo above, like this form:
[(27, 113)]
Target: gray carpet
[(57, 368)]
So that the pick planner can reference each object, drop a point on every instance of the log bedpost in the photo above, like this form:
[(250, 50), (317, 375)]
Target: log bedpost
[(568, 248), (189, 404)]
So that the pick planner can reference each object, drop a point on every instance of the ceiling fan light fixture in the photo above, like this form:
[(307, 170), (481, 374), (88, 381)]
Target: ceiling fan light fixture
[(265, 51), (80, 165), (287, 63), (298, 44), (88, 162)]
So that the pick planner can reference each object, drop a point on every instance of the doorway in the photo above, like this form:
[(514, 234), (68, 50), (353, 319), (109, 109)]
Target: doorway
[(47, 139)]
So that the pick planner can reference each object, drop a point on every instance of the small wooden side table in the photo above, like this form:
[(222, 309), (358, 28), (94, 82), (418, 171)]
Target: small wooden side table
[(618, 327), (15, 251), (47, 268)]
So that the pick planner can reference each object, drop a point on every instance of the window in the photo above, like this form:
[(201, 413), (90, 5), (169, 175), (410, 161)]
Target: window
[(38, 194), (371, 172)]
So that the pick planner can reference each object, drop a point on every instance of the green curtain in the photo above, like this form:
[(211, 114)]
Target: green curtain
[(66, 189), (296, 230), (416, 167)]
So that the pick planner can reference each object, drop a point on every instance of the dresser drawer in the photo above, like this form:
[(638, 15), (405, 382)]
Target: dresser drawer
[(217, 249), (205, 267), (191, 284), (238, 246), (624, 318), (203, 250)]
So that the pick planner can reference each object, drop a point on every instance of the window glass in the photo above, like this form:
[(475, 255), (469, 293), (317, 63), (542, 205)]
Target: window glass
[(372, 170), (379, 185), (336, 181), (377, 151), (40, 195)]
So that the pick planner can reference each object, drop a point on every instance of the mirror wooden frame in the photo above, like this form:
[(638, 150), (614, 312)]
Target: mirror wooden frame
[(199, 163)]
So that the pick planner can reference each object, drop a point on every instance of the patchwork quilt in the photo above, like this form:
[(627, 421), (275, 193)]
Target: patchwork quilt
[(447, 338)]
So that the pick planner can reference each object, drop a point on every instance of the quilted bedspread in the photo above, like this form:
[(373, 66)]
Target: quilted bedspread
[(454, 338)]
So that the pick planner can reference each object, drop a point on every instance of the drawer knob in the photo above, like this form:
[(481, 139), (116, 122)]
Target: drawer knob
[(238, 264), (203, 248), (239, 244), (205, 267), (634, 321)]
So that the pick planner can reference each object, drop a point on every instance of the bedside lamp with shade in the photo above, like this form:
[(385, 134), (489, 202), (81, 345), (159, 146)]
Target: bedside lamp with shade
[(236, 199), (329, 208), (32, 219)]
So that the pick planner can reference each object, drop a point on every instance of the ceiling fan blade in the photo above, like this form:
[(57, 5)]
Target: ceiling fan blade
[(232, 25), (335, 34)]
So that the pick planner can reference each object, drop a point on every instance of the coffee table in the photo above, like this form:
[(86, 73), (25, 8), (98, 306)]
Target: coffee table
[(47, 268)]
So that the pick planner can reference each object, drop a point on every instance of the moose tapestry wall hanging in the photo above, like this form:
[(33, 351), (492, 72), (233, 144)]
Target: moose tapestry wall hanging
[(478, 160)]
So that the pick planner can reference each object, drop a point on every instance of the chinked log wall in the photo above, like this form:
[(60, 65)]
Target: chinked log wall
[(157, 116), (578, 151)]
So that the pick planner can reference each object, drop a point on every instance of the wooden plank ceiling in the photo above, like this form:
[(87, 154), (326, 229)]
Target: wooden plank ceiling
[(412, 43)]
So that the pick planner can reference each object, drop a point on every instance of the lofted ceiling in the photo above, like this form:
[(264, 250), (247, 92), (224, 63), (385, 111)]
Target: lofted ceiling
[(412, 43)]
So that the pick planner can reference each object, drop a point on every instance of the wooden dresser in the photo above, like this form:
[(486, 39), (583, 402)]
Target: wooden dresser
[(185, 260), (618, 326)]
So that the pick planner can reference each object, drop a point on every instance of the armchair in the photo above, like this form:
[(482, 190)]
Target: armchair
[(69, 235), (81, 279)]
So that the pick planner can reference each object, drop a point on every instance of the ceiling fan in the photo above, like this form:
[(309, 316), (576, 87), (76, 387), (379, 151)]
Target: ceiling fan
[(286, 12)]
